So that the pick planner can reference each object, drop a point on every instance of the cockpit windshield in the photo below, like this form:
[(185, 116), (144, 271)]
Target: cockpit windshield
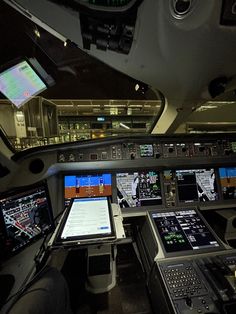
[(86, 100), (44, 121)]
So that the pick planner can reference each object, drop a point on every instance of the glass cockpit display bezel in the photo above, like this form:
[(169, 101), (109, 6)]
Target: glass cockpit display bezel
[(86, 208), (198, 185), (228, 182), (183, 231), (30, 218), (139, 188), (82, 185)]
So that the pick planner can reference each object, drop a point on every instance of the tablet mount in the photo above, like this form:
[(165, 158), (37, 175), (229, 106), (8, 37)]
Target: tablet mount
[(101, 261)]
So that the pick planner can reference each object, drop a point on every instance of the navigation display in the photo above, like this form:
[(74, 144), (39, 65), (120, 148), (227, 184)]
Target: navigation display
[(87, 218), (135, 189), (26, 215), (87, 185), (228, 182), (183, 230), (196, 185)]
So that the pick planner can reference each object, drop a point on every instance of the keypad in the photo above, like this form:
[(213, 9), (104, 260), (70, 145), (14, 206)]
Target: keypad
[(183, 281)]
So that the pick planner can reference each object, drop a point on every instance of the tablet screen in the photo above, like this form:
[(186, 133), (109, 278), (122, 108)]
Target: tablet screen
[(20, 82), (87, 218)]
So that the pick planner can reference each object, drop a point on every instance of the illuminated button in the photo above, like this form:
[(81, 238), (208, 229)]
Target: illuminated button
[(62, 158), (71, 157)]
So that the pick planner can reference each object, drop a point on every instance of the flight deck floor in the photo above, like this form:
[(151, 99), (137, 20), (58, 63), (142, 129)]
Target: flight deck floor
[(129, 296)]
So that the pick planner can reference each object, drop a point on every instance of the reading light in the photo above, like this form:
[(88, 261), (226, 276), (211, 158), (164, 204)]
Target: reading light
[(65, 43)]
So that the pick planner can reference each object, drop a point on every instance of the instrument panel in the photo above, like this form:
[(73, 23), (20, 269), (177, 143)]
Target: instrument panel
[(140, 172), (162, 149), (151, 171), (148, 188)]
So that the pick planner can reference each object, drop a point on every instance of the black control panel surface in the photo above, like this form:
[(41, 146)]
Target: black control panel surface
[(152, 148), (201, 285)]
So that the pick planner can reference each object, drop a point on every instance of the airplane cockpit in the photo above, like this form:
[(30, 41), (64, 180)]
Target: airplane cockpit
[(118, 156)]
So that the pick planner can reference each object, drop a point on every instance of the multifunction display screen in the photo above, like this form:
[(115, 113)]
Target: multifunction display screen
[(26, 215), (196, 185), (146, 150), (135, 189), (87, 185), (228, 182), (183, 230)]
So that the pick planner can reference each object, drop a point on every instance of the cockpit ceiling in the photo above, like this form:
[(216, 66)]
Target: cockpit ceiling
[(178, 53), (77, 75)]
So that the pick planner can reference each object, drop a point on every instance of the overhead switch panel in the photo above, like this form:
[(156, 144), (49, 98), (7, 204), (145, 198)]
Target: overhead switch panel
[(113, 33)]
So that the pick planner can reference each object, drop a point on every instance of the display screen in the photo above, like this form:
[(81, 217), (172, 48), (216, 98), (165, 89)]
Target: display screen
[(26, 215), (169, 187), (87, 218), (135, 189), (146, 150), (183, 230), (196, 185), (87, 185), (228, 182), (20, 82)]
